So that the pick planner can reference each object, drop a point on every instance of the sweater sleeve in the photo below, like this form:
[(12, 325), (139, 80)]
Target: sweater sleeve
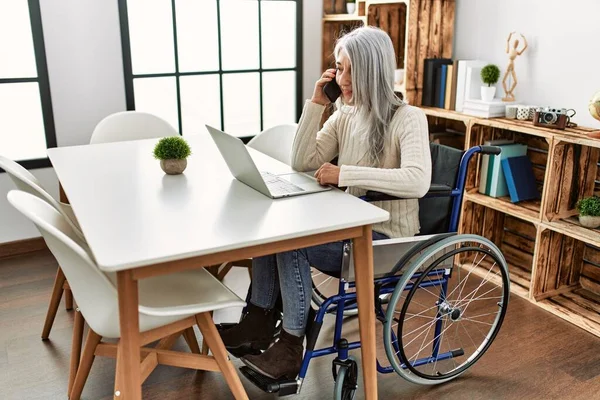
[(312, 148), (413, 178)]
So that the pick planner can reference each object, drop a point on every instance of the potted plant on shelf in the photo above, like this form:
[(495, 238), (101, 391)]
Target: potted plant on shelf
[(172, 152), (589, 212), (350, 6), (489, 75)]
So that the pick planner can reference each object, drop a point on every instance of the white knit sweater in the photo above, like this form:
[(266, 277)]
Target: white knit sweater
[(406, 158)]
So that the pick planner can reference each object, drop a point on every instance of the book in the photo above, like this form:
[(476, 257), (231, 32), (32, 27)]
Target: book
[(449, 84), (461, 76), (430, 66), (494, 105), (454, 85), (483, 187), (483, 113), (520, 179), (440, 89), (496, 178)]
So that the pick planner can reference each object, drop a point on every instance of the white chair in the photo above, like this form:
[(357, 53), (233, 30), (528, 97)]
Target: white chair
[(276, 142), (170, 305), (26, 181), (131, 125)]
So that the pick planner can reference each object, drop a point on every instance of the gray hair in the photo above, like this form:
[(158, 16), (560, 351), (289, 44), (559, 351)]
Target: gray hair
[(373, 61)]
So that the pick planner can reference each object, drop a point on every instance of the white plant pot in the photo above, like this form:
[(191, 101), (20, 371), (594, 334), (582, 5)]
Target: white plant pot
[(589, 222), (350, 7), (488, 93)]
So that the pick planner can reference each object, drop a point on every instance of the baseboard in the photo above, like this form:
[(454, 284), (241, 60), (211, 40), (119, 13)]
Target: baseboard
[(19, 247)]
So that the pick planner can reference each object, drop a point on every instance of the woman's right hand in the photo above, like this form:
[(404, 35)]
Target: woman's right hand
[(319, 96)]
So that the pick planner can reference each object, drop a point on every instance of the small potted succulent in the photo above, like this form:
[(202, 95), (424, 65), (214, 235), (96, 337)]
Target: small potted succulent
[(489, 75), (350, 6), (589, 212), (172, 152)]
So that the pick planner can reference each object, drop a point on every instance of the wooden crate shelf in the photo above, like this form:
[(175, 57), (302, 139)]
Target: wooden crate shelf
[(515, 237), (528, 210), (571, 227), (419, 29), (574, 167), (580, 307), (553, 261)]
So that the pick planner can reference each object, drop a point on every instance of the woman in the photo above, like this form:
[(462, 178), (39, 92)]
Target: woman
[(382, 144)]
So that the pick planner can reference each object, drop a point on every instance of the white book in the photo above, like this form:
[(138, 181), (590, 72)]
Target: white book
[(461, 80), (484, 113), (496, 104)]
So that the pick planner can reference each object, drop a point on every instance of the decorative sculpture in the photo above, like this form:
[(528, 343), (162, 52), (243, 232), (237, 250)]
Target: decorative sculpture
[(510, 70)]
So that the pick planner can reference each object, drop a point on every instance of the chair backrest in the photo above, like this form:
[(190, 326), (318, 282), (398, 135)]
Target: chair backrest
[(434, 212), (131, 125), (276, 142), (25, 181), (96, 295)]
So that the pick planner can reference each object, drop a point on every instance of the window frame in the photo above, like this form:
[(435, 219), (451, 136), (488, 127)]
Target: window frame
[(37, 34), (129, 76)]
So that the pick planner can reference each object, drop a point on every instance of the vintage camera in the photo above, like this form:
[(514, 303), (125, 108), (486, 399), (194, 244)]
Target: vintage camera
[(551, 117)]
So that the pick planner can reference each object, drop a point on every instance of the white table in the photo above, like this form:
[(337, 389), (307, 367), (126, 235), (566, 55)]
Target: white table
[(140, 222)]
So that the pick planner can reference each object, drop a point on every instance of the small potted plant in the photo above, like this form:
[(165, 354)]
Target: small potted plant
[(350, 6), (172, 152), (489, 75), (589, 212)]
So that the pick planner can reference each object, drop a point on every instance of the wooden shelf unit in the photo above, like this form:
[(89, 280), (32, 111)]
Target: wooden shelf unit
[(418, 28), (553, 261)]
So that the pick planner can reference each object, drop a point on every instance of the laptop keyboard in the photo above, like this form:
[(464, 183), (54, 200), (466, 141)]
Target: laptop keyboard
[(278, 186)]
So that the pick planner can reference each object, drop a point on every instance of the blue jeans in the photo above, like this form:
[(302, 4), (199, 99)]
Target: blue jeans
[(290, 273)]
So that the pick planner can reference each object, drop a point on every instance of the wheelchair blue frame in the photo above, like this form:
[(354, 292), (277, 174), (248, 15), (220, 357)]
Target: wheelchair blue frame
[(338, 302)]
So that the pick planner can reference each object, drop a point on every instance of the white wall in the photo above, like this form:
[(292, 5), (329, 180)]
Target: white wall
[(560, 67), (85, 68)]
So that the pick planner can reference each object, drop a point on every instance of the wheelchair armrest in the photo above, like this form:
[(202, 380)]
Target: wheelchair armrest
[(435, 190)]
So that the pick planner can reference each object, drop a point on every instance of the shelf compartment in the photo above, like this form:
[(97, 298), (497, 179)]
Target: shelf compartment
[(514, 237), (581, 307), (571, 227), (446, 131), (527, 210), (575, 169), (567, 278), (392, 18), (332, 30), (537, 152)]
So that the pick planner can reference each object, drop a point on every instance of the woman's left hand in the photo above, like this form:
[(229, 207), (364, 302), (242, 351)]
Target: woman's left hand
[(328, 174)]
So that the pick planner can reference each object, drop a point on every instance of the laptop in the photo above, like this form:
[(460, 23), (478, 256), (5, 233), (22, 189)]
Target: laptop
[(272, 185)]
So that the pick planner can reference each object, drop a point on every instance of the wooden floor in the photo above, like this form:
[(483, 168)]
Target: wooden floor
[(535, 356)]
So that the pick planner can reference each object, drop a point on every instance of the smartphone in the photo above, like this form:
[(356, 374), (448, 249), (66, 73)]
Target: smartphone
[(332, 90)]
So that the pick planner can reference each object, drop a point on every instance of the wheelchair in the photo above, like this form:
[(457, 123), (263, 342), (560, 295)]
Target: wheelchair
[(440, 297)]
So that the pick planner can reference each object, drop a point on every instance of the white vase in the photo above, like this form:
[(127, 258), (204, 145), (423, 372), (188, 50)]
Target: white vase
[(488, 93), (589, 222), (350, 7)]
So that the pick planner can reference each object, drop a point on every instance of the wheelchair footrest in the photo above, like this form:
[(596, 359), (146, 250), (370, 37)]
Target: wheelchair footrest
[(282, 387)]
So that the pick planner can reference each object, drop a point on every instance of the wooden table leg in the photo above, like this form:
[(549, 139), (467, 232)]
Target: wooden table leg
[(129, 345), (363, 269)]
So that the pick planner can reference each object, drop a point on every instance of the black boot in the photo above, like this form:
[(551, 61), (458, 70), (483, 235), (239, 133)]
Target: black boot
[(282, 360), (255, 332)]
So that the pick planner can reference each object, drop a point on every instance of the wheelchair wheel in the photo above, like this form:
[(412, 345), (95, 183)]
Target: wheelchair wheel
[(446, 309), (325, 286), (346, 381)]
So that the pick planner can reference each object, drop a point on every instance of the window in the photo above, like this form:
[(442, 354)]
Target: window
[(233, 64), (26, 120)]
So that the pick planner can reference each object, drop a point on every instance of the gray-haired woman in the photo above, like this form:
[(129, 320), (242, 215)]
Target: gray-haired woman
[(382, 144)]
